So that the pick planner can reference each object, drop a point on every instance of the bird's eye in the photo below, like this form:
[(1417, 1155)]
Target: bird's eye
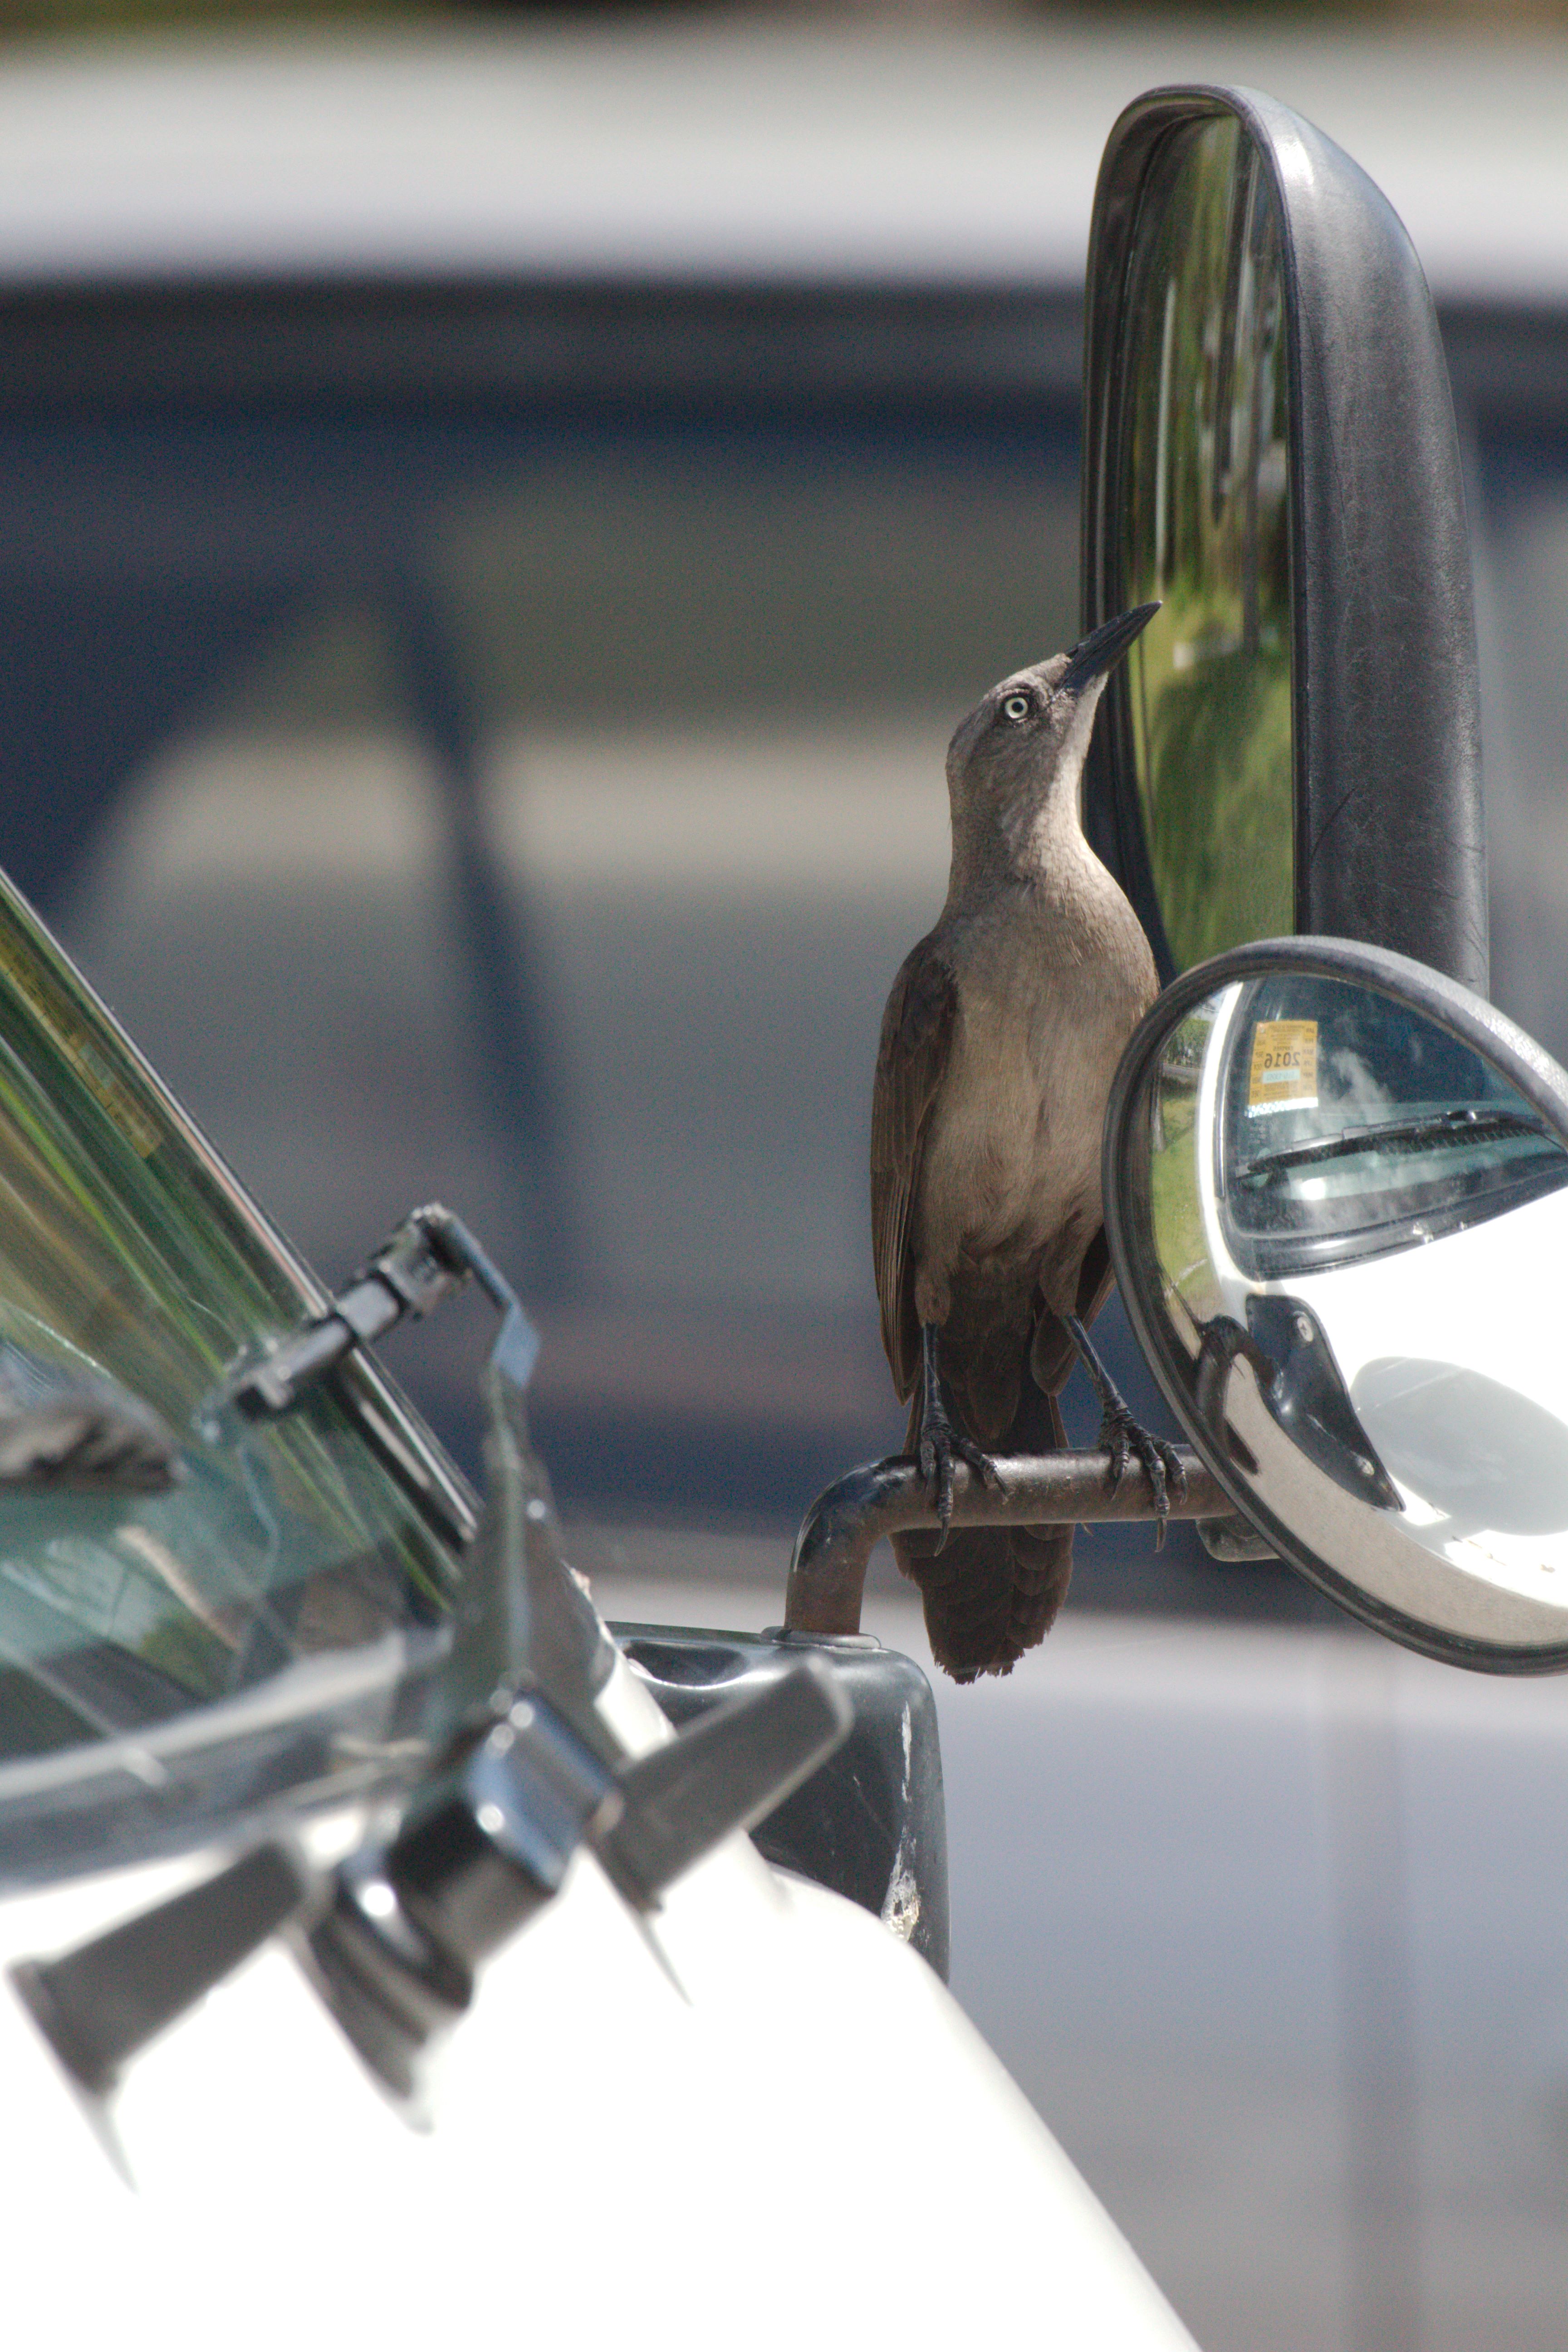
[(1016, 706)]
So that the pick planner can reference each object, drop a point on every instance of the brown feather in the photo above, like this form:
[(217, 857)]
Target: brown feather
[(917, 1033), (991, 1593)]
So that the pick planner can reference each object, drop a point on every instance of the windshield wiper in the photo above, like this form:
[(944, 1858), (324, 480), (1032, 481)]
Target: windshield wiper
[(1469, 1125), (431, 1255)]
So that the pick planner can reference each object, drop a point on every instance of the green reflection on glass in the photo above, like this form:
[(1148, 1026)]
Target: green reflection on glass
[(127, 1254), (1204, 498)]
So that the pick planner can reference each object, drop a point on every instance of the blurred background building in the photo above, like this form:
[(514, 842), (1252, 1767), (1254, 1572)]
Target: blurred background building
[(499, 517)]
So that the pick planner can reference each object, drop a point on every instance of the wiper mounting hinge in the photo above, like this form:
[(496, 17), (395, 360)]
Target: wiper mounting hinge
[(431, 1254)]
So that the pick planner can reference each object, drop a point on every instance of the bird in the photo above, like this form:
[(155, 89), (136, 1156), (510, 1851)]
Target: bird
[(1001, 1036)]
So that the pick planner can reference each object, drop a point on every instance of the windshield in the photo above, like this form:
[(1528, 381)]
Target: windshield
[(1352, 1125), (130, 1262)]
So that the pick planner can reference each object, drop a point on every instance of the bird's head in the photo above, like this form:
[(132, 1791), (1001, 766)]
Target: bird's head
[(1020, 753)]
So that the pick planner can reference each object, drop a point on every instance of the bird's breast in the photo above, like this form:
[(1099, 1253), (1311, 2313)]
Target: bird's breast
[(1011, 1169)]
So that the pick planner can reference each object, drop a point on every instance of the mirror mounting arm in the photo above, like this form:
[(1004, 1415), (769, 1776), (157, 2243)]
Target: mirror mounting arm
[(827, 1574)]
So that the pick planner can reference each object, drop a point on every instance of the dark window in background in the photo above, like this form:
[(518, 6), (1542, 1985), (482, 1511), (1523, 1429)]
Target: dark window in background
[(526, 800)]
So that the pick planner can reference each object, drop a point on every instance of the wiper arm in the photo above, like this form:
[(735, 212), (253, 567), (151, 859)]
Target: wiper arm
[(1451, 1124), (431, 1255)]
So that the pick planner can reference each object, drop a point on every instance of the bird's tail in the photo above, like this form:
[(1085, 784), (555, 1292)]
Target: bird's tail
[(991, 1593)]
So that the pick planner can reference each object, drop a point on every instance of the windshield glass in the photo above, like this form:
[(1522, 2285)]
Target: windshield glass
[(1352, 1126), (130, 1262)]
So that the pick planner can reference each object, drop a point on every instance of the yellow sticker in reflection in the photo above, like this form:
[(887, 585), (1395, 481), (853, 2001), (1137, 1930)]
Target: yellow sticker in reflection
[(1284, 1073)]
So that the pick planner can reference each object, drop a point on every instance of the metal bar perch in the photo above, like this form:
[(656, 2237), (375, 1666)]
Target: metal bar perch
[(827, 1574)]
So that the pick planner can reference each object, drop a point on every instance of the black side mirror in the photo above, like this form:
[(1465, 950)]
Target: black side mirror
[(1336, 1195), (1269, 449)]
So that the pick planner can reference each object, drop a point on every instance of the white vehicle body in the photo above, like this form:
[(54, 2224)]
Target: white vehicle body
[(751, 151), (756, 2117)]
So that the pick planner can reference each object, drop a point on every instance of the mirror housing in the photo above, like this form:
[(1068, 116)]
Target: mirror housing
[(1387, 836), (1336, 1198)]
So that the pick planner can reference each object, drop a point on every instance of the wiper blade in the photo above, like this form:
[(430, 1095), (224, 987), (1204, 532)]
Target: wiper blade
[(1452, 1125)]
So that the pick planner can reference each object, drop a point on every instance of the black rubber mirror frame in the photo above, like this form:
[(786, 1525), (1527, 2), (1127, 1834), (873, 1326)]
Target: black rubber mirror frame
[(1524, 1064), (1390, 844)]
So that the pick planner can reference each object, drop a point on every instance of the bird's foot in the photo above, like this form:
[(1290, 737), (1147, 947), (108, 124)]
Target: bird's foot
[(1122, 1438), (941, 1447)]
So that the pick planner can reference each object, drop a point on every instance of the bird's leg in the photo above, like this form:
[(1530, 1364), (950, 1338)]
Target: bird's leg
[(942, 1442), (1120, 1434)]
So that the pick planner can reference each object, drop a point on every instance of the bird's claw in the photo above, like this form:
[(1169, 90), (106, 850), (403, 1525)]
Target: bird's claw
[(940, 1445), (1122, 1437)]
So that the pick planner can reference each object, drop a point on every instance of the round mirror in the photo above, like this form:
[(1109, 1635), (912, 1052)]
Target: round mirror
[(1336, 1190)]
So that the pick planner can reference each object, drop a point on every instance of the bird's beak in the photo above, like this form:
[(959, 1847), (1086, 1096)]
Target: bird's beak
[(1094, 654)]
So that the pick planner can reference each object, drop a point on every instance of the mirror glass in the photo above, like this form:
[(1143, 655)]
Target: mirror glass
[(1346, 1232), (1203, 497)]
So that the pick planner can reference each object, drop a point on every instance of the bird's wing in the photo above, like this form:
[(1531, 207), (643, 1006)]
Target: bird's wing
[(917, 1033)]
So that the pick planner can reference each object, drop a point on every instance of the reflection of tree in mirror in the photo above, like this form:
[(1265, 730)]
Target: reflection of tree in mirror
[(1204, 484), (1219, 747)]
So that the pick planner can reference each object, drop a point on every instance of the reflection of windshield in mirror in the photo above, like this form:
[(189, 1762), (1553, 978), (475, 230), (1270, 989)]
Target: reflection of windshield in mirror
[(1204, 494), (130, 1262), (1352, 1125)]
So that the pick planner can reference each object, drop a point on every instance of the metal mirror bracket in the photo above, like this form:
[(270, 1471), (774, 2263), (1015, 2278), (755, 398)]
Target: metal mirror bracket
[(827, 1573)]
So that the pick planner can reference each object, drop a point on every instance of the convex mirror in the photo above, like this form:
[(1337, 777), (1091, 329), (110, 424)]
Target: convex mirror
[(1269, 451), (1336, 1190)]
